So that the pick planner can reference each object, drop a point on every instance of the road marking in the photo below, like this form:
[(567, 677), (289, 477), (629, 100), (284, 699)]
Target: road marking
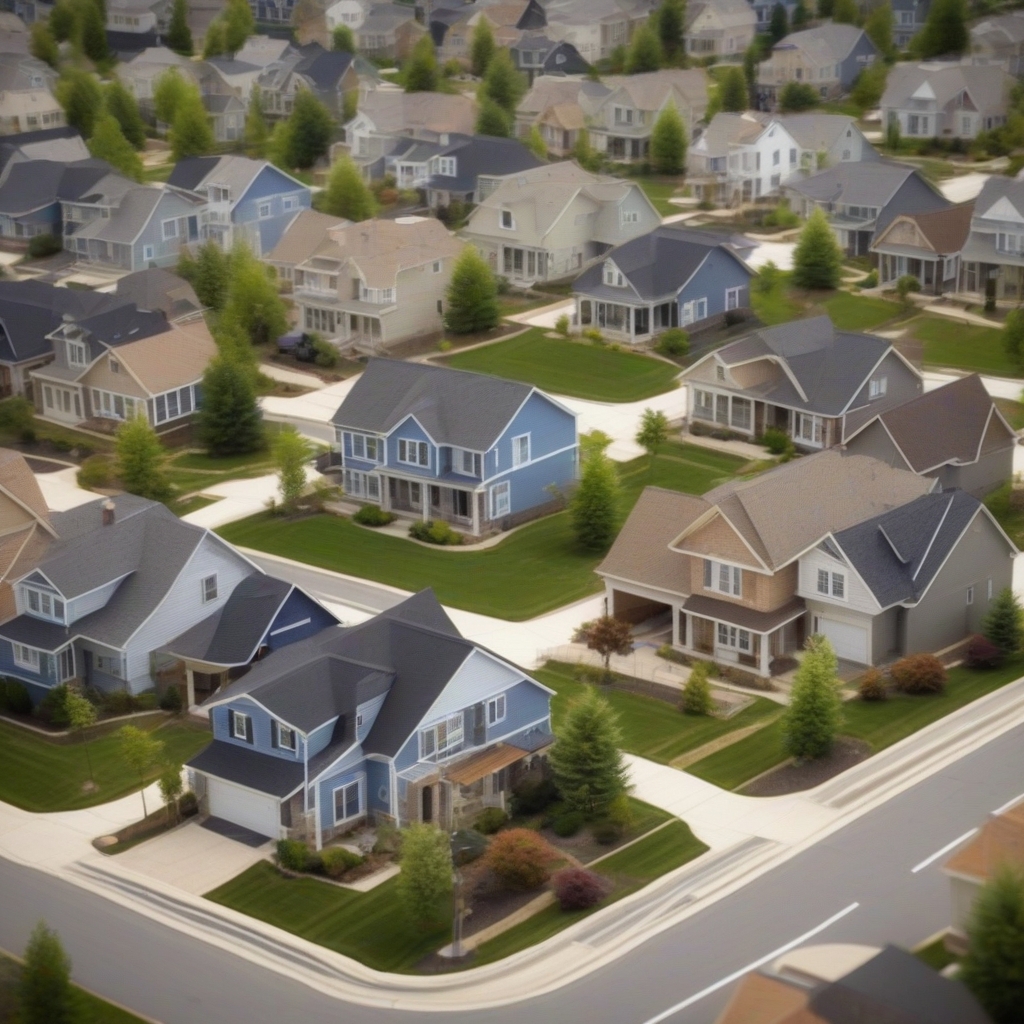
[(729, 979), (1009, 804), (938, 853)]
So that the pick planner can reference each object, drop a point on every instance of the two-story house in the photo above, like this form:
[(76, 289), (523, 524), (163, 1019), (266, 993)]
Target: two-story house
[(139, 17), (560, 108), (804, 378), (399, 719), (719, 28), (452, 27), (926, 246), (470, 167), (435, 443), (331, 75), (548, 223), (992, 259), (535, 55), (300, 240), (1000, 39), (909, 17), (140, 74), (671, 277), (389, 32), (27, 102), (350, 13), (596, 27)]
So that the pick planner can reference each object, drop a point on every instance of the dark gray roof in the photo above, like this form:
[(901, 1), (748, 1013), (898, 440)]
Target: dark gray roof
[(34, 184), (481, 154), (657, 264), (871, 183), (325, 69), (11, 144), (898, 553), (230, 66), (276, 776), (456, 407), (220, 103), (190, 172), (159, 290)]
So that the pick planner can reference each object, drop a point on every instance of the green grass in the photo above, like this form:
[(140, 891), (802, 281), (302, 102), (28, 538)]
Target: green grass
[(1011, 519), (1013, 412), (37, 774), (659, 190), (948, 343), (878, 724), (778, 306), (370, 927), (193, 504), (858, 313), (577, 369), (935, 955), (229, 464), (849, 312)]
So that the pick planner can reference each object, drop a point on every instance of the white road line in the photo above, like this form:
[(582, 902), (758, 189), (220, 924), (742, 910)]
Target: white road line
[(938, 853), (1009, 803), (753, 966)]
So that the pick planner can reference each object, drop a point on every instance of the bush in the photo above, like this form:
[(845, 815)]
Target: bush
[(594, 335), (562, 325), (432, 532), (919, 673), (618, 818), (326, 355), (871, 281), (872, 686), (52, 709), (292, 854), (14, 696), (674, 342), (568, 823), (490, 820), (337, 860), (982, 653), (578, 889), (520, 858), (777, 441), (188, 804), (768, 277), (533, 795), (17, 417), (172, 700), (905, 285), (605, 832), (43, 245), (117, 702), (373, 515), (734, 317), (96, 471), (696, 698), (444, 345), (389, 839), (314, 862)]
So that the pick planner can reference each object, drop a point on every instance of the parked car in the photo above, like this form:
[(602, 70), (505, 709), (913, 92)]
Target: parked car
[(298, 345)]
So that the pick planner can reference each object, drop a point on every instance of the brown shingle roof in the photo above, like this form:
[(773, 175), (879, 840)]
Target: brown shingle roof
[(762, 1000), (303, 237), (1000, 841), (169, 360), (19, 481), (947, 229)]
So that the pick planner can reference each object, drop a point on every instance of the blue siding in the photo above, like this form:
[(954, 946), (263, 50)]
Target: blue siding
[(260, 729), (410, 752), (549, 427), (410, 430), (320, 737), (525, 703), (273, 186), (326, 787), (45, 677), (718, 273), (860, 57), (530, 483), (299, 606), (378, 786)]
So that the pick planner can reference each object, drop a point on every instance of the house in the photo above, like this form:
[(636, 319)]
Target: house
[(828, 57), (719, 28), (245, 200), (561, 108), (998, 844), (14, 32), (227, 115), (954, 433), (160, 291), (946, 101), (992, 259), (262, 50), (140, 74), (909, 17), (471, 167), (229, 76), (300, 240), (136, 17), (825, 140), (273, 12), (862, 199), (670, 277), (351, 13), (399, 719), (432, 443), (1000, 39), (452, 28), (546, 224), (804, 378), (408, 162), (27, 103), (331, 75), (63, 145), (763, 10), (596, 27), (390, 32), (535, 55), (926, 246)]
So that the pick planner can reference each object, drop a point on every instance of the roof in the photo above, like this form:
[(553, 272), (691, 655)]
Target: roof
[(61, 144), (159, 289), (136, 207), (553, 90), (303, 236), (18, 481), (325, 69), (831, 42), (728, 13), (726, 129), (396, 112), (386, 17), (455, 407), (649, 89), (871, 183), (945, 230), (222, 104), (820, 132), (177, 357), (988, 85), (1001, 198), (31, 185), (1000, 841), (276, 776), (760, 999), (1009, 25), (482, 154), (741, 615), (235, 173)]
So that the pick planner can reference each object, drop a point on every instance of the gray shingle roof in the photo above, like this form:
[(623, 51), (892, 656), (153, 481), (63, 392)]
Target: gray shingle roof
[(831, 40), (33, 184), (276, 776), (481, 154), (871, 183)]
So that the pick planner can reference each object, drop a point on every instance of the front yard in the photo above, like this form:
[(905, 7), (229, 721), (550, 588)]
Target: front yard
[(1009, 512), (948, 344), (849, 311)]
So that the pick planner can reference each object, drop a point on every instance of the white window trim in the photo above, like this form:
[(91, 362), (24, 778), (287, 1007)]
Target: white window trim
[(732, 298), (418, 447), (497, 709), (735, 577), (517, 460), (500, 499), (42, 595), (26, 657), (203, 588), (832, 578), (511, 226), (148, 252), (281, 730), (733, 638), (818, 421), (359, 782), (367, 440), (970, 595), (455, 732), (240, 717), (173, 221), (78, 348), (260, 208), (877, 387)]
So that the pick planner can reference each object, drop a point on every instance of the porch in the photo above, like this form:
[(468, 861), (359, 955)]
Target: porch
[(462, 507), (936, 274), (749, 416), (631, 323)]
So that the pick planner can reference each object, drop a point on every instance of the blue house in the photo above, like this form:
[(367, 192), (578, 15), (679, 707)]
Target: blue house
[(399, 719), (31, 192), (247, 200), (670, 277), (434, 443)]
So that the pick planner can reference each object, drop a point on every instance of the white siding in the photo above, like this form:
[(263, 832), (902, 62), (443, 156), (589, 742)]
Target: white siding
[(478, 677), (858, 597), (81, 606)]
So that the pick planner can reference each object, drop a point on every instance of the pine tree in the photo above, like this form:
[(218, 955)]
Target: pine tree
[(583, 153), (482, 48), (492, 120), (347, 194), (945, 30), (121, 104), (813, 718), (215, 42), (80, 96), (179, 35), (879, 27), (472, 304), (45, 993), (252, 299), (644, 52), (846, 12), (63, 21), (239, 24), (43, 46), (92, 32), (230, 421), (256, 131), (586, 761), (870, 85), (668, 141), (108, 143), (425, 881), (733, 91), (310, 128), (994, 966), (420, 73), (503, 83), (536, 144), (778, 27), (291, 453), (1002, 625), (671, 18), (343, 40), (593, 508), (169, 91), (191, 133), (817, 259), (212, 270), (800, 15), (140, 459)]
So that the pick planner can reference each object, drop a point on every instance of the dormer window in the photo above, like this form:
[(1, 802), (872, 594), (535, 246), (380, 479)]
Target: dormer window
[(115, 366), (720, 373), (43, 605), (77, 354), (507, 221), (613, 276), (283, 737)]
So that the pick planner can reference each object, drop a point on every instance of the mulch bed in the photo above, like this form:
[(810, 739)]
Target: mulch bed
[(794, 778)]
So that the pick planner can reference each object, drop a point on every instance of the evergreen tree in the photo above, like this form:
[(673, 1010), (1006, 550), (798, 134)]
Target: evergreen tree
[(211, 275), (800, 15), (945, 30), (817, 259), (230, 421), (879, 28), (420, 73), (652, 433), (733, 91), (239, 24), (252, 299), (668, 141), (492, 120), (425, 881), (825, 9), (1002, 625), (593, 508), (140, 459), (671, 17), (472, 295), (778, 27), (870, 85), (121, 104), (697, 698), (343, 40), (994, 966), (892, 134), (310, 128), (179, 35), (291, 453), (503, 83), (108, 143), (63, 21), (813, 718), (43, 46), (644, 52), (79, 94), (482, 48), (215, 42), (191, 133), (1013, 336), (751, 59), (586, 761), (846, 12), (169, 90), (45, 993), (347, 194), (140, 752), (256, 131), (536, 144), (797, 97), (92, 32)]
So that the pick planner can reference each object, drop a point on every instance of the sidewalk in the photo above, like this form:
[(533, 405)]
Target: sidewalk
[(239, 499)]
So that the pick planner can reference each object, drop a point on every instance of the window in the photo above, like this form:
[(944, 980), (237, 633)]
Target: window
[(365, 447), (792, 158), (148, 252), (210, 589), (346, 802), (970, 595), (520, 450), (809, 429), (877, 387), (732, 298), (776, 158), (241, 726), (613, 276), (832, 584), (733, 637), (436, 267), (263, 210), (170, 229), (630, 217), (506, 220), (501, 500), (467, 463), (413, 453), (43, 604), (361, 485), (290, 202), (77, 354), (66, 663), (496, 709), (283, 736), (443, 738), (446, 166), (695, 310), (726, 579), (109, 664), (26, 657)]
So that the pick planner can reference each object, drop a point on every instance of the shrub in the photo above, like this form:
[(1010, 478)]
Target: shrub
[(562, 325), (696, 698), (871, 281), (872, 686), (532, 795), (337, 860), (444, 345), (389, 839), (734, 317), (314, 862), (326, 355), (605, 832), (96, 471), (188, 804), (171, 700), (520, 858), (432, 532), (53, 707), (982, 653), (292, 854), (117, 702), (594, 335), (14, 697), (578, 889), (674, 342), (490, 820), (768, 277), (43, 245), (568, 823), (905, 285), (373, 515), (777, 441), (618, 816), (16, 417), (919, 673)]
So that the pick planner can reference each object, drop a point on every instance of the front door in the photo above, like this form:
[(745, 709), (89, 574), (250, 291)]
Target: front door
[(427, 809)]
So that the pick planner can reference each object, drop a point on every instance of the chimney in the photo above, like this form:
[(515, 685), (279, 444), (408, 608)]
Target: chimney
[(108, 513)]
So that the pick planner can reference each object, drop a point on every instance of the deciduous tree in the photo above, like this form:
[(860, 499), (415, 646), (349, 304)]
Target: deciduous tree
[(140, 460), (252, 298), (796, 97), (778, 27), (43, 46), (482, 48), (124, 109), (425, 881), (214, 44), (607, 636), (812, 720), (652, 433), (870, 85), (191, 133), (171, 787), (79, 94), (472, 300), (230, 421), (644, 52), (140, 752), (44, 991), (169, 90), (420, 73), (62, 21), (239, 24), (593, 508), (348, 195), (668, 141), (109, 143), (817, 259), (846, 12), (492, 120), (291, 453), (343, 40), (307, 132), (92, 32), (879, 27), (671, 18), (945, 30), (733, 91), (503, 83), (800, 15), (81, 715)]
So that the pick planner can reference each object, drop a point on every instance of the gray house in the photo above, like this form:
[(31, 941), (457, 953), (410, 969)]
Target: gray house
[(535, 55), (992, 259), (470, 167)]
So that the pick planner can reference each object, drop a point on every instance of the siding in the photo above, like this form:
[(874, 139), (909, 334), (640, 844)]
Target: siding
[(378, 786), (530, 485), (121, 383), (717, 273), (902, 384), (80, 606), (297, 607), (45, 678), (719, 540), (320, 737), (480, 676), (418, 291), (525, 704), (165, 252), (270, 185), (261, 735), (913, 196), (858, 597), (760, 591), (341, 777), (875, 442), (369, 711), (885, 636), (979, 478), (861, 56), (550, 428), (410, 430)]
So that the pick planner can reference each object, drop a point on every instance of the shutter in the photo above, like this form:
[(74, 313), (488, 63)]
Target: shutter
[(231, 723), (479, 734), (707, 573), (737, 577), (274, 734), (248, 730)]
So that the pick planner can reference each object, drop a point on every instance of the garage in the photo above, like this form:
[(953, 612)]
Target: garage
[(256, 811), (849, 642)]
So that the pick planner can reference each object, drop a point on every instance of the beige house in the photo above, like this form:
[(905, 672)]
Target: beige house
[(27, 103), (549, 223), (596, 27), (390, 32), (300, 240), (719, 28), (1000, 39), (561, 107)]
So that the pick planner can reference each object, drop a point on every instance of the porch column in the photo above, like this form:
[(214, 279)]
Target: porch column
[(476, 512), (765, 659), (425, 502), (190, 687), (385, 494)]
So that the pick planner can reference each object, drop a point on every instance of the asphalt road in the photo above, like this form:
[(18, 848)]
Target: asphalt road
[(177, 980)]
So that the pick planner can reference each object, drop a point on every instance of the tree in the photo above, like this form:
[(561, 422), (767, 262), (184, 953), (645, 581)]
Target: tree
[(817, 259), (343, 40), (825, 9), (253, 300), (256, 131), (140, 752), (994, 966), (845, 12), (239, 24), (503, 83), (472, 295), (191, 133), (169, 91), (778, 27), (644, 52), (751, 59), (207, 272), (583, 153), (179, 35), (420, 73), (879, 27), (520, 858), (653, 433), (607, 636), (800, 15), (291, 453), (140, 458), (43, 46), (671, 17), (92, 32), (214, 44), (124, 109), (109, 143), (697, 691), (668, 141), (63, 21), (309, 131), (1013, 336), (1002, 625), (796, 97), (230, 421), (815, 712), (733, 91), (870, 85), (593, 508), (536, 144), (425, 881), (586, 760), (482, 48), (347, 194), (171, 787), (892, 133), (45, 993), (492, 120), (81, 715), (945, 29), (79, 94)]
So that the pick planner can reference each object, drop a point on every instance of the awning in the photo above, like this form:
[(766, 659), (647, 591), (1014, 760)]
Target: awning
[(746, 618), (487, 761)]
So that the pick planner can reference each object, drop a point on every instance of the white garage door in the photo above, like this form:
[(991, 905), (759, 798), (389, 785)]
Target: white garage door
[(849, 642), (254, 811)]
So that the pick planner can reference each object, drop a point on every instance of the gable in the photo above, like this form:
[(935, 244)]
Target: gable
[(1003, 209), (904, 231), (997, 436), (480, 676), (270, 182), (718, 539)]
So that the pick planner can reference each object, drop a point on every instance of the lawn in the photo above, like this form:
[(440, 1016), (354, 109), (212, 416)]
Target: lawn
[(778, 306), (958, 346), (41, 775), (193, 504), (659, 190), (879, 724), (1013, 412), (577, 369), (851, 312), (1009, 517)]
